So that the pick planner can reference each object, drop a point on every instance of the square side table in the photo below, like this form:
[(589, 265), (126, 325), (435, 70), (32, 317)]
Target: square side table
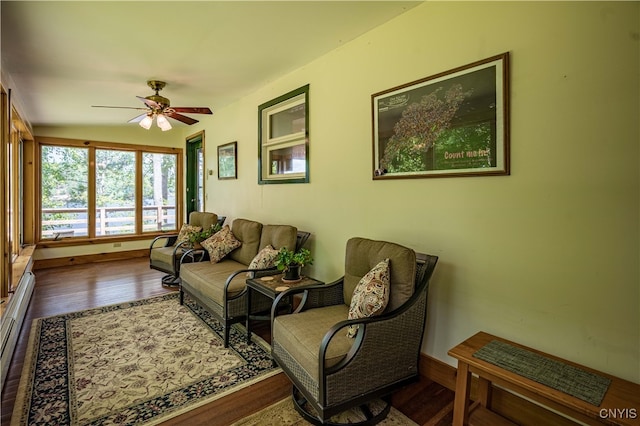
[(271, 286)]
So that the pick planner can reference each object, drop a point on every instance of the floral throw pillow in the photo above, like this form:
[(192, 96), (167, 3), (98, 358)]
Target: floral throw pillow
[(186, 231), (264, 259), (371, 295), (221, 244)]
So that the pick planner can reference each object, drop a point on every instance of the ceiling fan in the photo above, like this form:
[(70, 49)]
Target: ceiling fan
[(160, 108)]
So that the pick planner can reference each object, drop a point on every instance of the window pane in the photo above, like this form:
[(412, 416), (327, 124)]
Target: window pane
[(159, 192), (64, 188), (288, 122), (11, 186), (115, 192), (288, 160), (199, 176)]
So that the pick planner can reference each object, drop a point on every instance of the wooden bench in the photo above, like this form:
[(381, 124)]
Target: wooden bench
[(620, 405)]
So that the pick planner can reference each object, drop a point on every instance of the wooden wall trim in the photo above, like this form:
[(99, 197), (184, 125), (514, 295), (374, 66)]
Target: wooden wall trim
[(507, 404), (89, 258)]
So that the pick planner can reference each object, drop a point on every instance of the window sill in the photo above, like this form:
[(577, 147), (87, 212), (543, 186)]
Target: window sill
[(68, 242), (21, 264)]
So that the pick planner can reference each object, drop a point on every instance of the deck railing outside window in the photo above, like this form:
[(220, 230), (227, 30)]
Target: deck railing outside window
[(61, 223)]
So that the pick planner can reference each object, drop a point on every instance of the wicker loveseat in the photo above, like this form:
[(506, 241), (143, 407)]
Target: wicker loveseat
[(332, 372), (221, 287)]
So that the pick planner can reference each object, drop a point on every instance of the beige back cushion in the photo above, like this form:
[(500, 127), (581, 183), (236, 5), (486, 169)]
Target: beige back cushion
[(203, 219), (363, 254), (279, 236), (248, 232)]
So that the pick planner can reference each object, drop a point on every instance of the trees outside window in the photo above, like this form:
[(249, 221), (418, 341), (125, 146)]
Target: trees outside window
[(159, 191), (104, 190), (115, 192), (65, 192)]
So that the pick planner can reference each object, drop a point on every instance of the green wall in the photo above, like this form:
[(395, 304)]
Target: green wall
[(548, 256)]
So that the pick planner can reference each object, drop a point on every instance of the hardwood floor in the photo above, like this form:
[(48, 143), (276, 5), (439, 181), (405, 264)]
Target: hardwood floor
[(75, 288)]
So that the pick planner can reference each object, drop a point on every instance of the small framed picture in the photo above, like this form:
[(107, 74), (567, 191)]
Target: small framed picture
[(228, 161)]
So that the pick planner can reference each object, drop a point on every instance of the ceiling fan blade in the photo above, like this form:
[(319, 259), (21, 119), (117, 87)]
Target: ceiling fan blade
[(138, 118), (180, 117), (106, 106), (148, 102), (193, 110)]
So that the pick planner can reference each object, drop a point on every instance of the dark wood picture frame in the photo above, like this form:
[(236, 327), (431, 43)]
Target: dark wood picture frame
[(455, 123), (228, 161)]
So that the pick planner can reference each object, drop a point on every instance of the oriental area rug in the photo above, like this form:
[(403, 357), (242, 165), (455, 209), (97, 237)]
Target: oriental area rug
[(140, 362), (284, 413)]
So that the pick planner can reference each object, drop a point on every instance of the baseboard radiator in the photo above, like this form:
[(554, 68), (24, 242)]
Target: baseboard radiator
[(12, 320)]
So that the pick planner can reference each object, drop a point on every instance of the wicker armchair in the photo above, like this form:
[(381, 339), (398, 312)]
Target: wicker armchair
[(332, 372), (164, 253)]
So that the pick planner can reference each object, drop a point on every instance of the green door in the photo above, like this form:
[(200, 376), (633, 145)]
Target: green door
[(195, 174)]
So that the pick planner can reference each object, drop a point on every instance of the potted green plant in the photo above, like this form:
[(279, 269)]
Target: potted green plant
[(195, 238), (292, 262)]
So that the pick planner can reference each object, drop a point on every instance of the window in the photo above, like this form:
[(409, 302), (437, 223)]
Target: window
[(65, 192), (19, 137), (97, 190), (284, 138), (15, 136), (115, 192), (159, 192)]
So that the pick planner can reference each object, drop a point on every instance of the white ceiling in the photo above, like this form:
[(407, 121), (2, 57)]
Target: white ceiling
[(64, 56)]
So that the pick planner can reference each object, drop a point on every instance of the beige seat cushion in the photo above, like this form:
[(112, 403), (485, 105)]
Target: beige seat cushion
[(209, 278), (162, 256), (248, 232), (279, 236), (301, 334), (363, 254), (205, 220)]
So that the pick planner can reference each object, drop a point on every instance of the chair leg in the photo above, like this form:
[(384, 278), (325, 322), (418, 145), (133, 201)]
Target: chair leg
[(181, 296), (170, 281), (227, 331), (370, 417)]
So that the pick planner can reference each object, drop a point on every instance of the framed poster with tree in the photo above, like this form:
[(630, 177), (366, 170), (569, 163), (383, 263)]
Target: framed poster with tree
[(455, 123)]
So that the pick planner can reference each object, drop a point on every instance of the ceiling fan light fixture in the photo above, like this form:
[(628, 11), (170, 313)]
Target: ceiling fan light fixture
[(159, 106), (146, 122), (163, 123)]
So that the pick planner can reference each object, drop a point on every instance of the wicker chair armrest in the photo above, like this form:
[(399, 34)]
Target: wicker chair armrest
[(195, 255), (182, 246), (314, 296), (170, 240), (255, 273), (397, 334)]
